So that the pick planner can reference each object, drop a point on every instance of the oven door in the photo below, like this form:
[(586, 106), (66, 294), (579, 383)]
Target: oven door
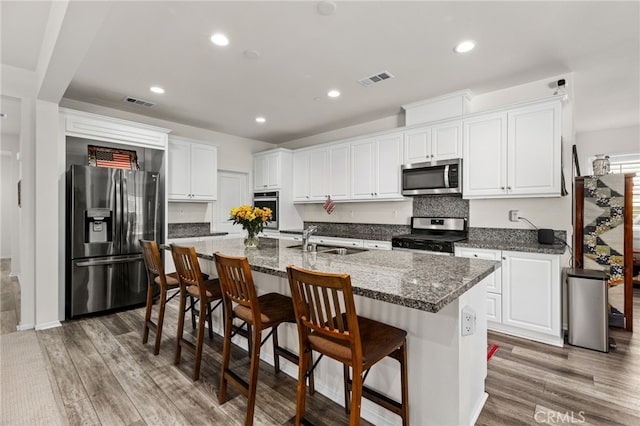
[(271, 203)]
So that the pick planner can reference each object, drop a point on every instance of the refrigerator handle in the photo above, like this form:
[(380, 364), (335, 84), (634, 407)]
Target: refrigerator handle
[(124, 193), (109, 262), (118, 213)]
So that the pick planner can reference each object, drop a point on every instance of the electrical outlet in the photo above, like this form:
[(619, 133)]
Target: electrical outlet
[(468, 321), (514, 215)]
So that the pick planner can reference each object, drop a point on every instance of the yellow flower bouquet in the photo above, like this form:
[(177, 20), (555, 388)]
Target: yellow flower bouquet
[(252, 220)]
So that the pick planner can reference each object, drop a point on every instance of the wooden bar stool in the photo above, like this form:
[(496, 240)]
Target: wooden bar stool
[(156, 276), (193, 284), (328, 324), (259, 313)]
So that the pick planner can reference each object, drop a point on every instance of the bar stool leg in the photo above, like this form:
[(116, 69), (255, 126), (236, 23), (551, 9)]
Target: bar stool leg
[(210, 321), (276, 357), (163, 302), (356, 395), (147, 315), (200, 338), (347, 399), (253, 375), (183, 302), (226, 352), (301, 397), (193, 312)]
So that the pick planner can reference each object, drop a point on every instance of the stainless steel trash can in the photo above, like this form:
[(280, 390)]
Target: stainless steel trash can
[(588, 302)]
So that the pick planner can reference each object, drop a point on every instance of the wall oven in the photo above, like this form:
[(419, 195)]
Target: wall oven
[(269, 200), (437, 177)]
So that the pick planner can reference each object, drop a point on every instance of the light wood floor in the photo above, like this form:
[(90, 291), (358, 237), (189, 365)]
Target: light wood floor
[(9, 299), (102, 374)]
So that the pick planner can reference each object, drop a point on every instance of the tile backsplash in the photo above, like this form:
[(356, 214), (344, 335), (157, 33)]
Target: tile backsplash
[(440, 206)]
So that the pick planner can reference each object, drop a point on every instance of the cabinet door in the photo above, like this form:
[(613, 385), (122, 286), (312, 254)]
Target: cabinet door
[(318, 173), (204, 172), (485, 156), (260, 177), (446, 141), (362, 169), (179, 171), (339, 172), (533, 148), (273, 171), (494, 308), (301, 176), (494, 282), (417, 145), (388, 163), (531, 292)]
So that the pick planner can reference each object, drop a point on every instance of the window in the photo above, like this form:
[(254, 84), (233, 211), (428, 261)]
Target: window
[(629, 163)]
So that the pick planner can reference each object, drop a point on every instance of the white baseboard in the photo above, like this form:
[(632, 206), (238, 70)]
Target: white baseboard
[(47, 325), (478, 409), (23, 327)]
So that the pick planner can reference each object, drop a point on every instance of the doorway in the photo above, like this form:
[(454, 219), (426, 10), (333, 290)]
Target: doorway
[(233, 191)]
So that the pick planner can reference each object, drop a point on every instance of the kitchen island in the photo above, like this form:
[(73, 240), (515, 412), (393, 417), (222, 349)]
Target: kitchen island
[(421, 293)]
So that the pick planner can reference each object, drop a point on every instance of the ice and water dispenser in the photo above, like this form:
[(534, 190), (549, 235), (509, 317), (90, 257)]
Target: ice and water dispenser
[(97, 225)]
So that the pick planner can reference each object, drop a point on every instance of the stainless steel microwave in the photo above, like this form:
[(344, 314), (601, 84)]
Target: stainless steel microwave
[(433, 178)]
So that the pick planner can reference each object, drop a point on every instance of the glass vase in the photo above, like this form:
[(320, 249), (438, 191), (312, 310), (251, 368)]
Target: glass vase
[(251, 241), (601, 165)]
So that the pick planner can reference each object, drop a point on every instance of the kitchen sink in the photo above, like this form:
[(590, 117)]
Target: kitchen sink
[(332, 249)]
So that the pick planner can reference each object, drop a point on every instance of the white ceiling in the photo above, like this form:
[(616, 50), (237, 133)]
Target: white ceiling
[(303, 54)]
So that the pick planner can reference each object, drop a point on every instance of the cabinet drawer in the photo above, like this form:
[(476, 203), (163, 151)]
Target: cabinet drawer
[(494, 307), (377, 245), (344, 242)]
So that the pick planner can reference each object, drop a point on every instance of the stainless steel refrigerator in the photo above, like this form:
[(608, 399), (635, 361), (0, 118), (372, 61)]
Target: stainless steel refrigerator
[(108, 211)]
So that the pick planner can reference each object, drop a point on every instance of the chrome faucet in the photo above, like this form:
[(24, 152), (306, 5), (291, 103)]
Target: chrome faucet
[(306, 234)]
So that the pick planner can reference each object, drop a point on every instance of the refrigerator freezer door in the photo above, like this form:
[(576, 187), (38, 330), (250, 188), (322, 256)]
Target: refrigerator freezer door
[(140, 209), (104, 283), (94, 223)]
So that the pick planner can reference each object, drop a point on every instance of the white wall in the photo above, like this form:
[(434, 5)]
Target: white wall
[(625, 140), (7, 219), (190, 212)]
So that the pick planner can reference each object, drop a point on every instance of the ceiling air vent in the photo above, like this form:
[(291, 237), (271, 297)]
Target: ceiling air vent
[(136, 101), (376, 78)]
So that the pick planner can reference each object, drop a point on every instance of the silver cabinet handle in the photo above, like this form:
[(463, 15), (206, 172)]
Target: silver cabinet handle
[(504, 258), (502, 187), (509, 188), (475, 255)]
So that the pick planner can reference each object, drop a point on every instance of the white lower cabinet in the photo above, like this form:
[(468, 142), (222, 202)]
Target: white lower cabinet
[(524, 296)]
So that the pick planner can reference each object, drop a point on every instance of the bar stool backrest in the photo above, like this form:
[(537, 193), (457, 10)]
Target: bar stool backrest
[(324, 304), (187, 266), (152, 261), (236, 282)]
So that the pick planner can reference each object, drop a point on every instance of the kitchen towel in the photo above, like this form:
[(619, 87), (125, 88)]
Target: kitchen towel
[(329, 206)]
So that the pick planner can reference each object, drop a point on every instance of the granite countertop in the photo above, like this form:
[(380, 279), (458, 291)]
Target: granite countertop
[(291, 231), (191, 230), (421, 281), (198, 235), (525, 246)]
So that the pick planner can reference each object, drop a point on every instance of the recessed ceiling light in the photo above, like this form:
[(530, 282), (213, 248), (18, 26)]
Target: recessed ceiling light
[(157, 89), (251, 54), (219, 39), (333, 93), (465, 46), (261, 120)]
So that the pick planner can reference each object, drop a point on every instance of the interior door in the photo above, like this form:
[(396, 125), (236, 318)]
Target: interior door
[(233, 191)]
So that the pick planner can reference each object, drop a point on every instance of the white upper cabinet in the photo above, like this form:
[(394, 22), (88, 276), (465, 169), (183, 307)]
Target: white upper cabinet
[(300, 176), (438, 142), (321, 172), (318, 173), (485, 156), (446, 140), (192, 171), (267, 171), (339, 176), (534, 149), (515, 153), (375, 167)]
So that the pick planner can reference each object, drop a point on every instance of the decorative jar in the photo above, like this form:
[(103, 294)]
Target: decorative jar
[(601, 165)]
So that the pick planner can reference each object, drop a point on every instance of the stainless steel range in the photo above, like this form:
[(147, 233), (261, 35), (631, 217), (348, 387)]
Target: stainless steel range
[(434, 235)]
